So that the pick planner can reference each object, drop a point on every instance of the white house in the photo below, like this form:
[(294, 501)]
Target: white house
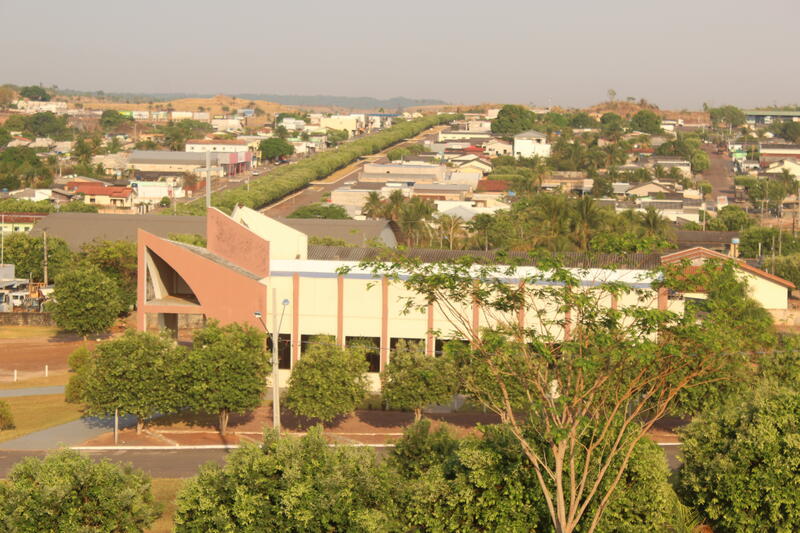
[(531, 143)]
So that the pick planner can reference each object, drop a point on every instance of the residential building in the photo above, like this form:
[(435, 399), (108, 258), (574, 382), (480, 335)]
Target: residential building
[(771, 153), (496, 147), (352, 124), (759, 116), (531, 143), (238, 156), (19, 222), (104, 196), (792, 166), (160, 163)]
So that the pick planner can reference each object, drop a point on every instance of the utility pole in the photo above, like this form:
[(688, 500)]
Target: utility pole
[(208, 181), (44, 266), (276, 393)]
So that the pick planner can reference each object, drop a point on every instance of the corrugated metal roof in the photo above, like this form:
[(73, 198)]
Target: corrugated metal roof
[(353, 232), (569, 259)]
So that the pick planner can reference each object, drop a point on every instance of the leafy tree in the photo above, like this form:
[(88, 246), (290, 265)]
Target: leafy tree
[(741, 460), (112, 119), (165, 202), (21, 167), (320, 211), (336, 137), (5, 137), (579, 390), (140, 374), (194, 239), (733, 218), (77, 206), (228, 367), (86, 301), (646, 121), (413, 380), (26, 253), (6, 417), (117, 260), (79, 362), (513, 119), (46, 124), (66, 492), (699, 161), (487, 484), (7, 96), (787, 267), (177, 133), (730, 115), (274, 148), (35, 93), (582, 120), (289, 484), (328, 381)]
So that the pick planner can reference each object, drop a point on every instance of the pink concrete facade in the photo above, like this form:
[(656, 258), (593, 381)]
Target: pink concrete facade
[(237, 244)]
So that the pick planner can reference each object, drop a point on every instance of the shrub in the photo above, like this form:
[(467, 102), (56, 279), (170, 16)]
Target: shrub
[(6, 418)]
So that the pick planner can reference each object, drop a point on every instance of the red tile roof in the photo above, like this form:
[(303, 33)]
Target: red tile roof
[(705, 253), (98, 189), (235, 142), (492, 186), (21, 218)]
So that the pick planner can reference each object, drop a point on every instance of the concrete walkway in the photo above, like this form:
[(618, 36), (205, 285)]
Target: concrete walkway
[(69, 434), (32, 391)]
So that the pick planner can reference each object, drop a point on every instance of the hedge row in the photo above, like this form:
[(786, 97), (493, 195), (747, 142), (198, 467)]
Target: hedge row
[(287, 179)]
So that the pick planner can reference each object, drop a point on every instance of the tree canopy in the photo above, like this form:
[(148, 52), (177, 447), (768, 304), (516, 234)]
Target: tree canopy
[(21, 167), (320, 211), (646, 121), (66, 492), (274, 148), (35, 93), (86, 301), (328, 381), (513, 119)]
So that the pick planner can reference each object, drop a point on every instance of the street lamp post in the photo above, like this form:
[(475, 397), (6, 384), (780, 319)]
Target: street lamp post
[(276, 326)]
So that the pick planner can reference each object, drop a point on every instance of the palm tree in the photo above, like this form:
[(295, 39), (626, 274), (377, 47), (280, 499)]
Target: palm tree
[(653, 223), (587, 219), (374, 207), (451, 227), (481, 223), (413, 219), (393, 204)]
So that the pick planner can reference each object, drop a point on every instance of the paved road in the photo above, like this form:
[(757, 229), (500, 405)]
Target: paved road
[(719, 174), (317, 190), (157, 463), (69, 434), (32, 391)]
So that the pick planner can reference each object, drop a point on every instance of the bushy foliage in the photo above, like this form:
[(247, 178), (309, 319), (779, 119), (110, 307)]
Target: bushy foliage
[(741, 462), (487, 484), (320, 211), (289, 484), (26, 253), (646, 121), (413, 380), (117, 260), (328, 381), (86, 300), (287, 179), (6, 417), (274, 148), (79, 364), (227, 369), (21, 167), (66, 492)]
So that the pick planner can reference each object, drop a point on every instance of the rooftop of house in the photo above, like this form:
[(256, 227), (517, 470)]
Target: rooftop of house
[(530, 134), (232, 142), (492, 186), (144, 157), (353, 232), (80, 228)]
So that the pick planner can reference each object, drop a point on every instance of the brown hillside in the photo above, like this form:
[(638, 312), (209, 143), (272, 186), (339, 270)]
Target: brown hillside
[(628, 109)]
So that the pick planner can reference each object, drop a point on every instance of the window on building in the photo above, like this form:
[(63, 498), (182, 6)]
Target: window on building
[(284, 350), (373, 345)]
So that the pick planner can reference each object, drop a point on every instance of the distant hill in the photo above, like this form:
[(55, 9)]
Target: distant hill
[(349, 102), (320, 100)]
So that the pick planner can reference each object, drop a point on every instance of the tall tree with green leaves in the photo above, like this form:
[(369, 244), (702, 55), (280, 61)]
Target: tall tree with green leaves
[(513, 119), (413, 380), (275, 148), (139, 373), (228, 369), (67, 492), (26, 253), (117, 259), (328, 381), (646, 121), (290, 484), (86, 301), (578, 388)]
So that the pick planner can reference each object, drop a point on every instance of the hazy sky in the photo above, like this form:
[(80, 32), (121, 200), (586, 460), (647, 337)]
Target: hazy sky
[(677, 53)]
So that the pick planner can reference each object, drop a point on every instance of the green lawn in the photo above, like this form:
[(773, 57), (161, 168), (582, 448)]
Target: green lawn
[(164, 491), (26, 332), (34, 413), (53, 379)]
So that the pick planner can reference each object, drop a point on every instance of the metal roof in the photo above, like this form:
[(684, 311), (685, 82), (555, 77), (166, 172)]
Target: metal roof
[(637, 261)]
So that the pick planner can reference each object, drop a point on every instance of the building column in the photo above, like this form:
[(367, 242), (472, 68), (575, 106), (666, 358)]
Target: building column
[(431, 343), (567, 324), (295, 317), (384, 322), (141, 286), (340, 310)]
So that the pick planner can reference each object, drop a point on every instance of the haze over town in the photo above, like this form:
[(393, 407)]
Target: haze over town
[(677, 55)]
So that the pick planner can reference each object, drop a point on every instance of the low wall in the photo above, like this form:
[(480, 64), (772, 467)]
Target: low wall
[(27, 319)]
